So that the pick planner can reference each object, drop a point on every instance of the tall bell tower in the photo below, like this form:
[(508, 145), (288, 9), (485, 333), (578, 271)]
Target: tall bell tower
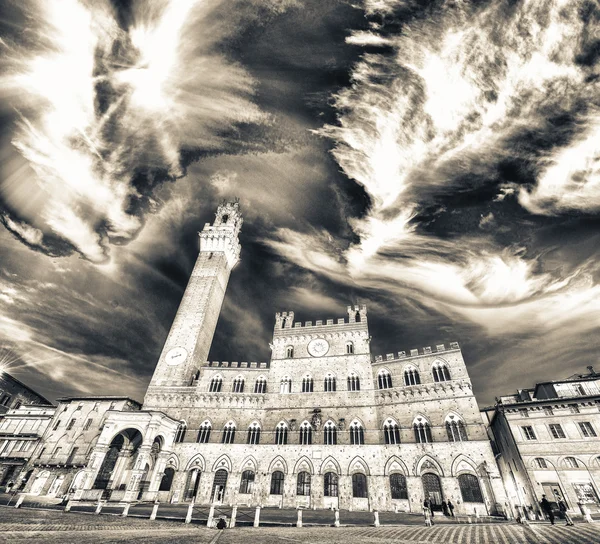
[(189, 340)]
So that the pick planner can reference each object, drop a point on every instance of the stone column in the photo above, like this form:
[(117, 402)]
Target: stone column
[(211, 515), (190, 510), (257, 517), (154, 511), (375, 518), (299, 520), (233, 517)]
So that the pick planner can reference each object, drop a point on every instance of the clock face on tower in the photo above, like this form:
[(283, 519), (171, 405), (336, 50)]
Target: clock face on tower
[(176, 356), (318, 347)]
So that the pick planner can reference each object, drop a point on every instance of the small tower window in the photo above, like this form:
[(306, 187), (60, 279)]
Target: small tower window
[(204, 432), (180, 434), (215, 384), (281, 434), (329, 383), (228, 433), (391, 432), (261, 385), (238, 385), (384, 379), (353, 382), (422, 431), (253, 434), (307, 384), (305, 434), (289, 352), (225, 219), (455, 429), (349, 348), (357, 317), (357, 434), (411, 376), (330, 434), (440, 372)]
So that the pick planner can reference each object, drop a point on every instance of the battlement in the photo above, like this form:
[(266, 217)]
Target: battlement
[(236, 364), (285, 320), (439, 348)]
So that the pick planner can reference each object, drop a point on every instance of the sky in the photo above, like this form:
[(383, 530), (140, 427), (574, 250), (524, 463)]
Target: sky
[(436, 161)]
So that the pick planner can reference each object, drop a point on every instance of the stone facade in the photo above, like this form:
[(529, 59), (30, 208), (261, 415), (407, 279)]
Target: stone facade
[(548, 439), (14, 393)]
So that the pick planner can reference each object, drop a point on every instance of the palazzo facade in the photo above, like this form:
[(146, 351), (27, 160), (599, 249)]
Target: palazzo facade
[(323, 424)]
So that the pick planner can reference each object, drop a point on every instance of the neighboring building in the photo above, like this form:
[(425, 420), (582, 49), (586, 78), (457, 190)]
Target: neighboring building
[(13, 394), (320, 425), (548, 439), (21, 430), (56, 466)]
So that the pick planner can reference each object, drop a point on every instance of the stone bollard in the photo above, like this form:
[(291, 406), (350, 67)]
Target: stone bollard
[(299, 520), (99, 507), (126, 510), (211, 515), (20, 501), (68, 506), (154, 511), (233, 516), (188, 517), (376, 518), (257, 517), (586, 513), (336, 523)]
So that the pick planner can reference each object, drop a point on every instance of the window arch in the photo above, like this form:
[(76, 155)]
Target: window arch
[(330, 484), (572, 462), (398, 486), (307, 384), (181, 430), (260, 386), (330, 434), (455, 429), (215, 384), (440, 371), (305, 433), (353, 382), (411, 376), (204, 432), (228, 433), (253, 434), (359, 485), (350, 348), (384, 379), (286, 385), (357, 433), (277, 483), (470, 488), (303, 484), (391, 432), (540, 462), (289, 352), (247, 482), (238, 384), (329, 383), (422, 430), (281, 434)]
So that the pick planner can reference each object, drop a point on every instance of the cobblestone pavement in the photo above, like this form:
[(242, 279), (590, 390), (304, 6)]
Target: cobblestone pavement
[(54, 527)]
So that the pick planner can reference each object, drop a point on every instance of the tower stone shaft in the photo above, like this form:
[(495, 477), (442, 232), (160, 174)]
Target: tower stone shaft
[(189, 340)]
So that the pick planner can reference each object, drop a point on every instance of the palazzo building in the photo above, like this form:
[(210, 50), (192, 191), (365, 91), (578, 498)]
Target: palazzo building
[(323, 424)]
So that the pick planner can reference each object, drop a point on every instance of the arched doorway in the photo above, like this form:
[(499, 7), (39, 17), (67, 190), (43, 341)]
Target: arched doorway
[(39, 482), (78, 481), (432, 488), (218, 488), (119, 460), (56, 485), (192, 484)]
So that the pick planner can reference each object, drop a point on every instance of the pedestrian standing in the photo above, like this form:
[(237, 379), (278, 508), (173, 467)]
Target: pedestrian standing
[(547, 508), (445, 510), (9, 486), (427, 515), (221, 524), (563, 508), (451, 507)]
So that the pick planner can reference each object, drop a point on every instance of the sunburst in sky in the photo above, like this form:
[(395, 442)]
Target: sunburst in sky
[(438, 161)]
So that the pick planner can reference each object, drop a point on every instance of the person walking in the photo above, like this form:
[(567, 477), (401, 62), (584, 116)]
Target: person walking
[(427, 515), (547, 508), (451, 507), (563, 508)]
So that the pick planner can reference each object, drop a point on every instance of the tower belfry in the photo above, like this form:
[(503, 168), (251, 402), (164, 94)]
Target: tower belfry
[(189, 340)]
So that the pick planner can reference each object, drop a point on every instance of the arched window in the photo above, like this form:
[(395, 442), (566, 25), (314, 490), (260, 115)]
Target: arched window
[(277, 483), (359, 486), (238, 385), (469, 488), (289, 352), (540, 462), (330, 484), (261, 385), (247, 482), (281, 434), (204, 432), (391, 432), (215, 384), (398, 486), (330, 434), (440, 371), (167, 480), (285, 385), (357, 317), (305, 433), (329, 383), (191, 485), (303, 484), (180, 434), (422, 431), (411, 376), (228, 433), (307, 384), (253, 434), (349, 348), (384, 379), (571, 462), (455, 429), (357, 433), (353, 382)]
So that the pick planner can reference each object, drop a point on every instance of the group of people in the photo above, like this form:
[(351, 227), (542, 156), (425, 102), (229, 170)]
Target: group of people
[(546, 506), (447, 510)]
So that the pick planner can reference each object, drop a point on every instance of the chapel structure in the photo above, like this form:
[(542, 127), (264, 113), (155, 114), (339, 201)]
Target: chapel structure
[(323, 424)]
